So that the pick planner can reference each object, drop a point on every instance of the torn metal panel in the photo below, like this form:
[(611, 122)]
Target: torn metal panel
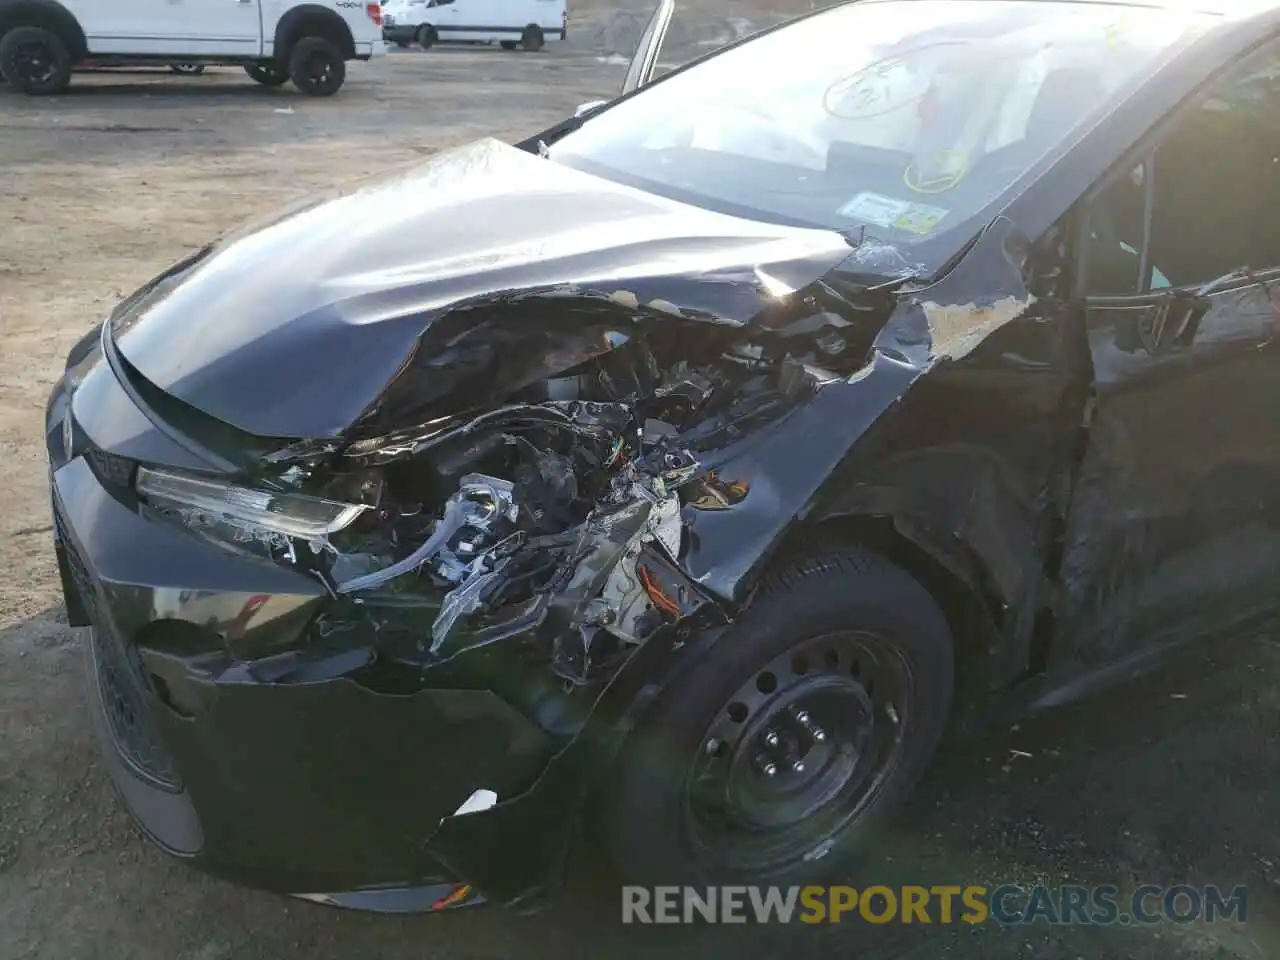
[(968, 463), (955, 330), (954, 316)]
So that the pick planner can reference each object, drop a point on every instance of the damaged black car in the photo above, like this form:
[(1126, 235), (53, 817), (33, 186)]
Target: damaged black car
[(674, 478)]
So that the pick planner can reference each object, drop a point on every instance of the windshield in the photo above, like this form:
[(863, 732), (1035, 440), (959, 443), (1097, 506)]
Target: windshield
[(887, 120)]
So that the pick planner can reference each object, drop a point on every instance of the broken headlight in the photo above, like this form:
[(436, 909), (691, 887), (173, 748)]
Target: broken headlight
[(203, 500)]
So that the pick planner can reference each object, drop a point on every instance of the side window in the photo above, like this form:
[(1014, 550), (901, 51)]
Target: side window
[(1199, 206), (1116, 235)]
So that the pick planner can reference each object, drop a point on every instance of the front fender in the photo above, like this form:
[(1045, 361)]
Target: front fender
[(960, 431), (778, 473)]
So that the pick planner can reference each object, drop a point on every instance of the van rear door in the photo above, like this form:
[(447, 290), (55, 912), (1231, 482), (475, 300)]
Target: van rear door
[(552, 16)]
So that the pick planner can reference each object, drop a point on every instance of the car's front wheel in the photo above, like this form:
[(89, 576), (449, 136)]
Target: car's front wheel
[(187, 69), (266, 74), (813, 717), (317, 67), (35, 61)]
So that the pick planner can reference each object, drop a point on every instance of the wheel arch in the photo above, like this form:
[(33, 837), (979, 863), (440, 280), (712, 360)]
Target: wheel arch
[(954, 582), (51, 16), (312, 20)]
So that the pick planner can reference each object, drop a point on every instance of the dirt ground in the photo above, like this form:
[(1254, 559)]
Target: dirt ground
[(1172, 780)]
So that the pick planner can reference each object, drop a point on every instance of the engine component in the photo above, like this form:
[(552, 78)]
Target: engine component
[(480, 500), (556, 503)]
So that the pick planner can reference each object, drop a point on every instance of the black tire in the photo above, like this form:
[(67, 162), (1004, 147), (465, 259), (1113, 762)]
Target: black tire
[(317, 67), (267, 74), (35, 61), (532, 38), (507, 44), (187, 69), (426, 36), (825, 641)]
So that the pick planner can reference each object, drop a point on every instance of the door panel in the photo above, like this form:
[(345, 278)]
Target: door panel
[(164, 27), (491, 14), (551, 16), (448, 15), (1174, 528)]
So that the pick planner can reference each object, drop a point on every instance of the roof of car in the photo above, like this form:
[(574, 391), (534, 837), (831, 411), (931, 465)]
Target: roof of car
[(1224, 8), (1231, 15), (1219, 7)]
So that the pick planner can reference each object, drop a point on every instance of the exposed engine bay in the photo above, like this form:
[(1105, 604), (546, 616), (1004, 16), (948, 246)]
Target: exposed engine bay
[(558, 512)]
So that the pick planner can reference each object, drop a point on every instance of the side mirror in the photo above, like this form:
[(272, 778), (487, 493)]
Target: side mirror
[(589, 107)]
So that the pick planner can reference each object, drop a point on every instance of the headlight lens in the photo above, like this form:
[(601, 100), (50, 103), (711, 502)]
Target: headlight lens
[(289, 514)]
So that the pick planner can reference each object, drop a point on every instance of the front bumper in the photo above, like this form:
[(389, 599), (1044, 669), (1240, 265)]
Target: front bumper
[(318, 785), (286, 771)]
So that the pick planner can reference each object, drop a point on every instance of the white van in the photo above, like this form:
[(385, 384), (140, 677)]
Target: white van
[(306, 41), (511, 23)]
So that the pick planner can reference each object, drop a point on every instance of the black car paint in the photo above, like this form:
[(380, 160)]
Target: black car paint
[(931, 436), (389, 279)]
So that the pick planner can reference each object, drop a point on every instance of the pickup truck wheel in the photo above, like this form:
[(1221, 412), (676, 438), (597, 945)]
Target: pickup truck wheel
[(187, 69), (772, 757), (266, 74), (507, 44), (532, 38), (426, 36), (317, 67), (34, 61)]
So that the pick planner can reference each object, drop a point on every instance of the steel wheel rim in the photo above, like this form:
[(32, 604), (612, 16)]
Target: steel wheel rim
[(35, 61), (838, 705)]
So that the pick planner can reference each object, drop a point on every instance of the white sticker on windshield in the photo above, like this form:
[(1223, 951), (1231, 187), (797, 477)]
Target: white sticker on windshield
[(882, 211), (874, 208)]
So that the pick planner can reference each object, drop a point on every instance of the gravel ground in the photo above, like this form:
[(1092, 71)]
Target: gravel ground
[(1171, 780)]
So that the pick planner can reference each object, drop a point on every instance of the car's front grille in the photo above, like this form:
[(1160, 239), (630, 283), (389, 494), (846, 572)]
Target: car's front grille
[(122, 683)]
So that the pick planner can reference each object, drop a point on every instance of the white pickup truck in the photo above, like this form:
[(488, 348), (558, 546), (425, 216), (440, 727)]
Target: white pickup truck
[(276, 41)]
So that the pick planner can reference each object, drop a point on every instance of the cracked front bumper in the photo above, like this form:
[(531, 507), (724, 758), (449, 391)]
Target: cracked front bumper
[(323, 787), (248, 737)]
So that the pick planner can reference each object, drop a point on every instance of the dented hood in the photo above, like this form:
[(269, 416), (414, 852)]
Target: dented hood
[(295, 328)]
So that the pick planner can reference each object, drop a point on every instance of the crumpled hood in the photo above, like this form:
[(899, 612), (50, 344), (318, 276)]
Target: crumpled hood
[(295, 328)]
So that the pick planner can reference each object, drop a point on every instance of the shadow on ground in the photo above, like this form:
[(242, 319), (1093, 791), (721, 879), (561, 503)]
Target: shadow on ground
[(1169, 780)]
